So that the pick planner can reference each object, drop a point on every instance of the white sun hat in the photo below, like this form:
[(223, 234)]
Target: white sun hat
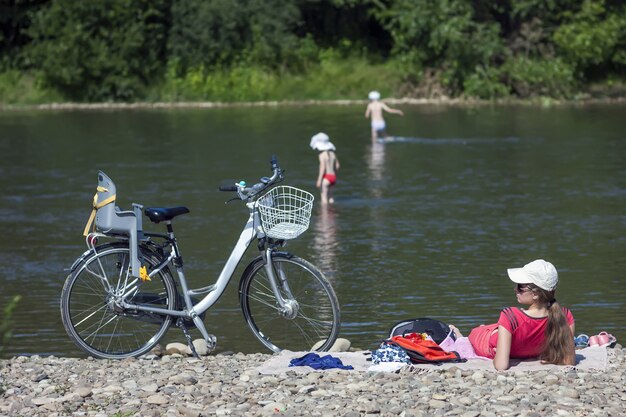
[(374, 95), (321, 142), (539, 272)]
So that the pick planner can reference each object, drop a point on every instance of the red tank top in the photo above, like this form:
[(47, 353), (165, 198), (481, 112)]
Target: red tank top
[(528, 332)]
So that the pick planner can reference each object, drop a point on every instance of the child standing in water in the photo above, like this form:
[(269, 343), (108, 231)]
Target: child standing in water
[(375, 110), (329, 165)]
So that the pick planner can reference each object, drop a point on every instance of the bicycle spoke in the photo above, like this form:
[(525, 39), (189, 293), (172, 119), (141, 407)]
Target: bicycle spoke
[(99, 280), (86, 311), (315, 318), (97, 309), (273, 305), (99, 327)]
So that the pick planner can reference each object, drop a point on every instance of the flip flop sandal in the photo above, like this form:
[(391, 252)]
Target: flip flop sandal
[(606, 339), (581, 341), (602, 339)]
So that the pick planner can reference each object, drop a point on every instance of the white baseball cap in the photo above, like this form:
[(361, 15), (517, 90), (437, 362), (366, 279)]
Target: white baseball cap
[(539, 272), (374, 95), (321, 142)]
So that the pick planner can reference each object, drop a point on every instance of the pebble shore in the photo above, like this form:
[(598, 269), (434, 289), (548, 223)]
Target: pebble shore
[(230, 384)]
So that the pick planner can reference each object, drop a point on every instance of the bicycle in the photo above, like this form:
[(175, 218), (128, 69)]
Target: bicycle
[(120, 297)]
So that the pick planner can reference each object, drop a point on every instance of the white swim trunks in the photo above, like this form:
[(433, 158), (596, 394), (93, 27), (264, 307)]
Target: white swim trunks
[(378, 125)]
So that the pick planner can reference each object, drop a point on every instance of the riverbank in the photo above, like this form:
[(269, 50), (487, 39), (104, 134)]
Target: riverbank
[(232, 385), (441, 101)]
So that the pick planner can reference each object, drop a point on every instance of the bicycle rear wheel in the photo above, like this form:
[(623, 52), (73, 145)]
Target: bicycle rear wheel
[(315, 318), (92, 318)]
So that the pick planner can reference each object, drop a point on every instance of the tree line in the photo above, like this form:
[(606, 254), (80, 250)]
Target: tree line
[(134, 50)]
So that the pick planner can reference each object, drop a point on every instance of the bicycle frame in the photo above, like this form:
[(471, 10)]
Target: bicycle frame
[(122, 295), (251, 230)]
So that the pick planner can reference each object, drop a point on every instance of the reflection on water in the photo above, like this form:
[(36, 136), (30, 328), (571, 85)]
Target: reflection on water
[(325, 244), (376, 167), (376, 161), (447, 141)]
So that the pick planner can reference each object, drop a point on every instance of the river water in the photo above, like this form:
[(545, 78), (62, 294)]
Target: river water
[(423, 226)]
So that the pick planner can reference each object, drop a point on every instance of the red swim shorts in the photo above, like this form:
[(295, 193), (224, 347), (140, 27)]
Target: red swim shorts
[(331, 178), (480, 336)]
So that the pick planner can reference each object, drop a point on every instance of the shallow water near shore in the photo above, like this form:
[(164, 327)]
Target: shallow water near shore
[(424, 226)]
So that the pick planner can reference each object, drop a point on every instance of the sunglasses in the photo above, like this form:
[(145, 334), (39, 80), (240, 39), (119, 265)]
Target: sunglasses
[(522, 288)]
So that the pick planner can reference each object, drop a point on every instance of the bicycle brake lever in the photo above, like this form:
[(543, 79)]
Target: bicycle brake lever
[(232, 199)]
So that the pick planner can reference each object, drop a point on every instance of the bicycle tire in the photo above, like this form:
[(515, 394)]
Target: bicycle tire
[(318, 316), (93, 324)]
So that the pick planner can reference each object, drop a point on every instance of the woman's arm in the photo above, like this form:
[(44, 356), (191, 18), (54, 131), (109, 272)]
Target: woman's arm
[(503, 349)]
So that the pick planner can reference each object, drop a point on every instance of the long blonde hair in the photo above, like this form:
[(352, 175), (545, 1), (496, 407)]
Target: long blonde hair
[(558, 345)]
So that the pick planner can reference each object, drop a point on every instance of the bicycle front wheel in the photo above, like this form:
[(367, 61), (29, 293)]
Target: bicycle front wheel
[(312, 318), (90, 308)]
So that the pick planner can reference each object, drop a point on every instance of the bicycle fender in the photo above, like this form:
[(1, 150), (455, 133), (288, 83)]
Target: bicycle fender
[(80, 259)]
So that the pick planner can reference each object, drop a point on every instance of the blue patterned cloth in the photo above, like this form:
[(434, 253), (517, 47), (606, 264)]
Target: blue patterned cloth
[(390, 353), (316, 362)]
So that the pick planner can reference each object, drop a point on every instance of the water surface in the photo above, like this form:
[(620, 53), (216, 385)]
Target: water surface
[(424, 225)]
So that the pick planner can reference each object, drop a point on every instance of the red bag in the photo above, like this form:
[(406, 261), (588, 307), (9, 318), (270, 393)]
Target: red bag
[(422, 350)]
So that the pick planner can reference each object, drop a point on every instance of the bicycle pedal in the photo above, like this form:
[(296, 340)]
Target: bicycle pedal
[(211, 342)]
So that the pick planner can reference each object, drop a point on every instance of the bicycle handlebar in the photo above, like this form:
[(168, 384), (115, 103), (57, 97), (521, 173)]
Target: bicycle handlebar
[(250, 192), (277, 172), (228, 188)]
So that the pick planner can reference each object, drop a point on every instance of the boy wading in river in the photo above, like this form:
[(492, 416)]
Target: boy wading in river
[(375, 110)]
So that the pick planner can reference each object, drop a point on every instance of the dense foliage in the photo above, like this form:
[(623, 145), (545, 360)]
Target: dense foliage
[(122, 50)]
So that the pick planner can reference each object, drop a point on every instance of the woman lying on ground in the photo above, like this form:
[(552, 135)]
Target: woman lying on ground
[(544, 330)]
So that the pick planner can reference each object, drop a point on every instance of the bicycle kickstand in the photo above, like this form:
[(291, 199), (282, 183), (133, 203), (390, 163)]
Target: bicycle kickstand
[(181, 323)]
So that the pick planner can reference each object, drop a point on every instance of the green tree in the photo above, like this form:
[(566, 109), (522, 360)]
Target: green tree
[(220, 33), (443, 35), (594, 38), (100, 49), (14, 22), (333, 22)]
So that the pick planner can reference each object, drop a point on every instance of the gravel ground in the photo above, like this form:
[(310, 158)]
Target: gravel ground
[(226, 384)]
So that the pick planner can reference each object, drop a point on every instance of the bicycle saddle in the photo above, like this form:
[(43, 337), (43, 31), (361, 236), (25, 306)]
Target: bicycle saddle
[(161, 214)]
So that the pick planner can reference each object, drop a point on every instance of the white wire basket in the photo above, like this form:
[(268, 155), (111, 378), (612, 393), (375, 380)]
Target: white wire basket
[(285, 212)]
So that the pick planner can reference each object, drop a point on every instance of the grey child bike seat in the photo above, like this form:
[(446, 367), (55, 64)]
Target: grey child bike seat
[(110, 220)]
